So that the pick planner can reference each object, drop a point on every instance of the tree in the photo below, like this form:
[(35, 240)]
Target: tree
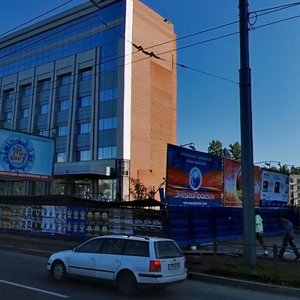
[(139, 191), (216, 148), (235, 151), (295, 170)]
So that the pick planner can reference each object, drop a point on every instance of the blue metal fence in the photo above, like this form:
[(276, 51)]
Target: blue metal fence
[(202, 225)]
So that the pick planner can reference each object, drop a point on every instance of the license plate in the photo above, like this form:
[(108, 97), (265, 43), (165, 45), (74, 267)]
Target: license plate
[(172, 267)]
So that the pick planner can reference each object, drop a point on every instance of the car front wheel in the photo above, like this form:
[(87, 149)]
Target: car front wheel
[(58, 271), (127, 284)]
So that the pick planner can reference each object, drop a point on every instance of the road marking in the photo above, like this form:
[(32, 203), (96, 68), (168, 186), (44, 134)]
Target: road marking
[(33, 289)]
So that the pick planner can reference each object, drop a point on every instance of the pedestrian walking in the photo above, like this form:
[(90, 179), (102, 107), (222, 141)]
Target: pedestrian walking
[(288, 237), (259, 229)]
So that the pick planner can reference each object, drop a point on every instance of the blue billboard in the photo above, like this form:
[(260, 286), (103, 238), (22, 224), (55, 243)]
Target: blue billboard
[(25, 156), (193, 177)]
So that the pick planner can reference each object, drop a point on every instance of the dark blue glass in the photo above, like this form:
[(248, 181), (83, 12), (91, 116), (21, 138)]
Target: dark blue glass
[(66, 40)]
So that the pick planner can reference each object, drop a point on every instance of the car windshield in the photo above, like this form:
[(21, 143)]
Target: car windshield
[(167, 249)]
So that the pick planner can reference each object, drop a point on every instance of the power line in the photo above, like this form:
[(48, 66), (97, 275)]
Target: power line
[(206, 73), (42, 15), (151, 54)]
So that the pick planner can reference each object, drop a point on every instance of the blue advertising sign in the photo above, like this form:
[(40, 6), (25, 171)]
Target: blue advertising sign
[(193, 177), (25, 156)]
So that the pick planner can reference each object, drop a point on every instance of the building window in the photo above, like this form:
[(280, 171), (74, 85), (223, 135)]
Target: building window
[(84, 128), (107, 152), (63, 105), (44, 132), (62, 130), (25, 90), (61, 157), (298, 180), (44, 109), (84, 101), (107, 123), (85, 74), (108, 94), (64, 79), (8, 94), (9, 116), (25, 113), (44, 85), (84, 155)]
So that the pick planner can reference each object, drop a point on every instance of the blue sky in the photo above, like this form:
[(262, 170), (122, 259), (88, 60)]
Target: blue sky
[(209, 107)]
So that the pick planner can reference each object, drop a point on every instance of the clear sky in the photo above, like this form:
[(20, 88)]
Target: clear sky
[(208, 95)]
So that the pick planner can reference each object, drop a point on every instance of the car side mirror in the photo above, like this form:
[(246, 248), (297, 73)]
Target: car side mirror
[(76, 249)]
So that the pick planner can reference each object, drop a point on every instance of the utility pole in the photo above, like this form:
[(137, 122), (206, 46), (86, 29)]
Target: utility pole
[(246, 138)]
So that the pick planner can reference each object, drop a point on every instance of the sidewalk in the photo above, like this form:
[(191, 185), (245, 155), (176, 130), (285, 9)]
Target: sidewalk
[(236, 247)]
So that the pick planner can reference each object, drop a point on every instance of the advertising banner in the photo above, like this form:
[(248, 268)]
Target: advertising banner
[(233, 183), (193, 177), (25, 156), (275, 189)]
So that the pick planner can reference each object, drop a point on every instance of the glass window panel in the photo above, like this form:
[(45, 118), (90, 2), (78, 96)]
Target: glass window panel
[(85, 128), (9, 116), (84, 101), (25, 113), (107, 123), (44, 85), (107, 152), (44, 109), (85, 74), (62, 130), (84, 155), (64, 79), (108, 94), (63, 105), (61, 157)]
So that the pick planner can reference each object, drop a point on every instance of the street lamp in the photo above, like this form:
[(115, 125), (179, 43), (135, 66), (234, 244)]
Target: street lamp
[(190, 145)]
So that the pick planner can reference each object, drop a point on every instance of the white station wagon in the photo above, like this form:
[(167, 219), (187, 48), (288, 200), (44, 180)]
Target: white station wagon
[(128, 261)]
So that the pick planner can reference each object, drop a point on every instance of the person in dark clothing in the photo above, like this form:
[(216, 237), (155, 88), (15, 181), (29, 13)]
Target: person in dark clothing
[(288, 237)]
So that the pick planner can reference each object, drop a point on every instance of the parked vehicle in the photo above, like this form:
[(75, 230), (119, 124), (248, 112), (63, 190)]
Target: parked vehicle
[(128, 261)]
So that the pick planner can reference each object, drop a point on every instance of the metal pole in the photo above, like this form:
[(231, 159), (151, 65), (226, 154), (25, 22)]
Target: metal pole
[(246, 138)]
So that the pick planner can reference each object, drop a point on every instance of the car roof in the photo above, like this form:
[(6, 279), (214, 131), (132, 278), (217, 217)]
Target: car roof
[(134, 237)]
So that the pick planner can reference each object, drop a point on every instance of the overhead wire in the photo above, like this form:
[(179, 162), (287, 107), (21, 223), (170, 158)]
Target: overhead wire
[(35, 18), (151, 54)]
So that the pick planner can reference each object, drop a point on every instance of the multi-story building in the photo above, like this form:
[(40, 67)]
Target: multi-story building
[(294, 194), (101, 80)]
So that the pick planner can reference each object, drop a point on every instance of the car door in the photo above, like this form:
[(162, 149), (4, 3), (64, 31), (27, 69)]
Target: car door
[(83, 258), (109, 260)]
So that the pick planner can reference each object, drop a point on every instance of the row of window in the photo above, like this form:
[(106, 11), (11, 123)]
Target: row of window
[(83, 101), (85, 155), (62, 105), (83, 128)]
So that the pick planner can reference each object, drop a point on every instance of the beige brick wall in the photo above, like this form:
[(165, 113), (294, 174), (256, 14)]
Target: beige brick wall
[(153, 96)]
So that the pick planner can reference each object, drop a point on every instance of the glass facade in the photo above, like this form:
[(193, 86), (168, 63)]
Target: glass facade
[(71, 92)]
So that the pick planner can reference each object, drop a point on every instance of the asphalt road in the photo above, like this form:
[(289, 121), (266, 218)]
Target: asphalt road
[(24, 276)]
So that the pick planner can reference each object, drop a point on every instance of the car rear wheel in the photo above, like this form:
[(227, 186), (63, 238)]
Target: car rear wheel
[(126, 283), (58, 271)]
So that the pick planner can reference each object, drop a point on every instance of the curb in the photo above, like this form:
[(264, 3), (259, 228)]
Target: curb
[(244, 284)]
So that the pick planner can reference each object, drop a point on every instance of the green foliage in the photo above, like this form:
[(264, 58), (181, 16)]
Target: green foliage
[(216, 148), (139, 191), (295, 170), (235, 151)]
